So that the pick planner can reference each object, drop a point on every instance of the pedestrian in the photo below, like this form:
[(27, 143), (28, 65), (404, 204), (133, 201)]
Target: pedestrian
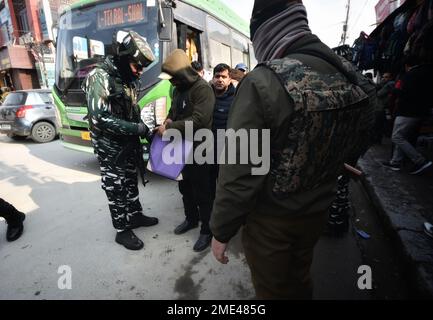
[(242, 67), (317, 117), (198, 68), (413, 104), (115, 128), (14, 219), (224, 93), (236, 76), (193, 101)]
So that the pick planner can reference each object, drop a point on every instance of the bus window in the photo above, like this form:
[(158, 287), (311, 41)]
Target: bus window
[(238, 57), (220, 53), (191, 47), (219, 43), (240, 49), (252, 57), (189, 40), (218, 31)]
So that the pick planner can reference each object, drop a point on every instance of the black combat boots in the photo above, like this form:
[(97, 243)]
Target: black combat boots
[(129, 240), (141, 221), (15, 226)]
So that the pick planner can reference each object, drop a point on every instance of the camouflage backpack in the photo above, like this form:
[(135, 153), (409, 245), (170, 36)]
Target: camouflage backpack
[(330, 125)]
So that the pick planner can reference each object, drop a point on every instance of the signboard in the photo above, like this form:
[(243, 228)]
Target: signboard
[(385, 7), (121, 15), (45, 20)]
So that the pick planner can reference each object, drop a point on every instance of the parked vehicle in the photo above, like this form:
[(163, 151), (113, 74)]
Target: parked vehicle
[(29, 113)]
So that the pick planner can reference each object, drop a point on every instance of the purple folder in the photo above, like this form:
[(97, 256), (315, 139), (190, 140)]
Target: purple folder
[(169, 161)]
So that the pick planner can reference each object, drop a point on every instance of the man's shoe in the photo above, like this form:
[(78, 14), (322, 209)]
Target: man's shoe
[(129, 240), (184, 227), (141, 221), (392, 166), (15, 229), (421, 167), (203, 242)]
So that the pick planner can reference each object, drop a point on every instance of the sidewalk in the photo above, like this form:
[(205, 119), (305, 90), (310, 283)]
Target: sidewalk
[(404, 203)]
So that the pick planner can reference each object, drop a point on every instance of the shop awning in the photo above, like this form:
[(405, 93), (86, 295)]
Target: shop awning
[(408, 5)]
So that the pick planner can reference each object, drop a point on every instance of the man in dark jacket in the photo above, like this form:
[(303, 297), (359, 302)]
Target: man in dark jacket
[(193, 102), (116, 128), (316, 116), (224, 94), (14, 219), (414, 102)]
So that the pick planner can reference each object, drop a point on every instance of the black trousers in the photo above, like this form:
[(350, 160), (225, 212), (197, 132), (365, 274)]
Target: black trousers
[(196, 195), (213, 176), (8, 211)]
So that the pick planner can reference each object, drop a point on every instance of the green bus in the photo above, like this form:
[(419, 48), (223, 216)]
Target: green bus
[(207, 30)]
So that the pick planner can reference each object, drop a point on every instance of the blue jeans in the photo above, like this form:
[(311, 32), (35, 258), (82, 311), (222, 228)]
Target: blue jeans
[(404, 127)]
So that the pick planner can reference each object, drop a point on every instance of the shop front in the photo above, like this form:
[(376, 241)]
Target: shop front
[(17, 68)]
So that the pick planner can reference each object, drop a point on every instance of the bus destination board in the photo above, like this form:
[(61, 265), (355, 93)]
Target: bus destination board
[(121, 15)]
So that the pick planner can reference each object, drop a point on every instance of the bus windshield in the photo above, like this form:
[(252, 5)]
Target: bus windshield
[(85, 37)]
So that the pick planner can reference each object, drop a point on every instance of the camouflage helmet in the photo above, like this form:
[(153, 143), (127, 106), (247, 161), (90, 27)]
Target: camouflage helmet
[(137, 48)]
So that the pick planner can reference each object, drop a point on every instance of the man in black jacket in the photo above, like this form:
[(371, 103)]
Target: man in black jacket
[(193, 102), (224, 95), (414, 102)]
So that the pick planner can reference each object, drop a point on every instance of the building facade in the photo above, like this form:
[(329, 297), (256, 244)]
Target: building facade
[(27, 52)]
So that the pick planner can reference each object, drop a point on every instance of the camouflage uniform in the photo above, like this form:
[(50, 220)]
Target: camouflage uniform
[(114, 126), (318, 119)]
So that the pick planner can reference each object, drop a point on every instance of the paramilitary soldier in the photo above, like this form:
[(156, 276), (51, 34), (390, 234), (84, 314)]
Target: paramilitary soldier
[(115, 128), (319, 115)]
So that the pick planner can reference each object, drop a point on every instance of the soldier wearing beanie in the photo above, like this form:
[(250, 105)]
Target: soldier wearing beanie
[(319, 114)]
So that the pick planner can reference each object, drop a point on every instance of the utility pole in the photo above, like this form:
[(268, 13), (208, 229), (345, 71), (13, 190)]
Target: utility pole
[(346, 25)]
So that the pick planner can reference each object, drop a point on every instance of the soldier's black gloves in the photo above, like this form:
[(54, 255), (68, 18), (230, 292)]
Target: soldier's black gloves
[(143, 130)]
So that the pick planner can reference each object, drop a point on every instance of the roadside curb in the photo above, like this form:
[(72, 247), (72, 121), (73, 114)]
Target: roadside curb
[(403, 219)]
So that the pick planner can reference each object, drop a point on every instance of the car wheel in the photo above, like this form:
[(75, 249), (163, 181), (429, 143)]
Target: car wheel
[(43, 132)]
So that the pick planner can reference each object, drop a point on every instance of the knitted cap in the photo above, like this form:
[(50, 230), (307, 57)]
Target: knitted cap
[(266, 9)]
